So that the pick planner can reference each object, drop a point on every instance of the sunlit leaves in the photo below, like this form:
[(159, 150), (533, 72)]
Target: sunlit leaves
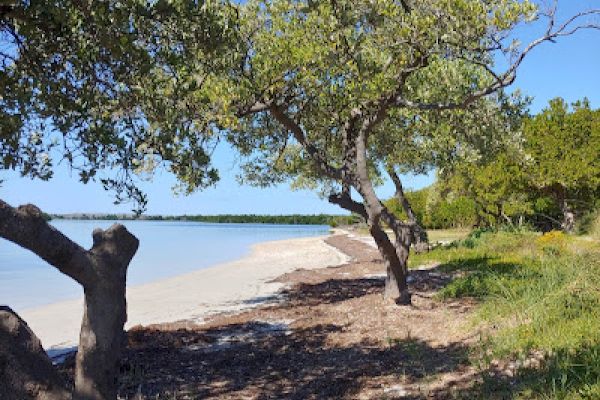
[(321, 60), (118, 83)]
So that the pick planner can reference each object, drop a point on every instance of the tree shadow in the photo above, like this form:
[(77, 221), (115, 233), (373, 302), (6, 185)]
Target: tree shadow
[(263, 361), (338, 290), (568, 373), (331, 291)]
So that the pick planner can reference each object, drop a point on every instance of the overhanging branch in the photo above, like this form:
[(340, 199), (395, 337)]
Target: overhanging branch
[(509, 75)]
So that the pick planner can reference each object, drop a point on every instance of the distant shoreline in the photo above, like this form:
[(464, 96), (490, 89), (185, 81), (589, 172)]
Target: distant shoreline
[(289, 219)]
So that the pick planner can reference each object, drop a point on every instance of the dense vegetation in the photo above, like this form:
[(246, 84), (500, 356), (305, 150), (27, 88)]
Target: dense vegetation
[(293, 219), (539, 310), (546, 175)]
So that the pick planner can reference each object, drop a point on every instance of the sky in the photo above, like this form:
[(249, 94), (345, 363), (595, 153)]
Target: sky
[(569, 68)]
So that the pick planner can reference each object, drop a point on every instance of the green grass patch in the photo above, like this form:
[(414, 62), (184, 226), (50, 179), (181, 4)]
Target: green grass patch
[(438, 235), (537, 294)]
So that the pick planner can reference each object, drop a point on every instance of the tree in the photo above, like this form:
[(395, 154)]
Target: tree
[(418, 202), (498, 187), (98, 85), (102, 272), (564, 147), (319, 85)]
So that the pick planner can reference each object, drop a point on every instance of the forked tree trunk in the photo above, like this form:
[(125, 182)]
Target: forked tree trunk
[(102, 272), (105, 313)]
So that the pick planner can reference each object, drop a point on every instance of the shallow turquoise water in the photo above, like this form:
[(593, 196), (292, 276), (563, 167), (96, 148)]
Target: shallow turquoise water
[(166, 249)]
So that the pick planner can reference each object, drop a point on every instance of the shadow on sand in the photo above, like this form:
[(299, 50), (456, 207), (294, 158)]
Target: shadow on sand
[(258, 360)]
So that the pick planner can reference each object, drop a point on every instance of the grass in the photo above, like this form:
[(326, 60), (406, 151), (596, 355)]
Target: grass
[(538, 295), (435, 235), (442, 235)]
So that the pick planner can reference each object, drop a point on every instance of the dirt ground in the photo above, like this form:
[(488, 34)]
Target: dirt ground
[(329, 336)]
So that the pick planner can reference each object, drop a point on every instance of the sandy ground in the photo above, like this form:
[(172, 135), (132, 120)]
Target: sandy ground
[(332, 336), (194, 296)]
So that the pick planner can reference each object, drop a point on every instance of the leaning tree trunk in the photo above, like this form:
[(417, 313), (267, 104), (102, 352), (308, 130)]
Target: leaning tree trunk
[(396, 286), (395, 262), (102, 272)]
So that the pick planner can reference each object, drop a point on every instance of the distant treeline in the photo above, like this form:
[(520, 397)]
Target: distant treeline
[(294, 219)]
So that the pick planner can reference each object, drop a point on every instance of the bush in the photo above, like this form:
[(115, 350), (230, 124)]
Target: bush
[(589, 224), (552, 243)]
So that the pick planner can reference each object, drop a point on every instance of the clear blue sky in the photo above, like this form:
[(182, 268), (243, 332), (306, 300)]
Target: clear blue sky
[(569, 69)]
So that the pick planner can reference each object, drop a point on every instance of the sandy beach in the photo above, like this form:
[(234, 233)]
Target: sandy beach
[(193, 296)]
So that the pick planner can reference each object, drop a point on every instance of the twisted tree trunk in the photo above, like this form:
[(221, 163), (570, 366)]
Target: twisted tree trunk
[(102, 272)]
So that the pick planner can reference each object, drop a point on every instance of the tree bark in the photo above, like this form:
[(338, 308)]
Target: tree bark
[(26, 372), (395, 257), (102, 272), (419, 238), (395, 261), (568, 222)]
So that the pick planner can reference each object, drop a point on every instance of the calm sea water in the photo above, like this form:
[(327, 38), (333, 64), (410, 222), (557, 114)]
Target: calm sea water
[(166, 249)]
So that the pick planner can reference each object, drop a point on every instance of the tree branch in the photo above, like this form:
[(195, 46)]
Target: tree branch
[(508, 77), (400, 195), (112, 248), (26, 227), (311, 149), (345, 201)]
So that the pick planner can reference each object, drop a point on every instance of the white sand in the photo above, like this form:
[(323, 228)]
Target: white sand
[(193, 296)]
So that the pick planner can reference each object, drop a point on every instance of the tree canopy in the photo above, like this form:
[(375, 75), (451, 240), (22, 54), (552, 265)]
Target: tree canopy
[(325, 92), (563, 144), (98, 85)]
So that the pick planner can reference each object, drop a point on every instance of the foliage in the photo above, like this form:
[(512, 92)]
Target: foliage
[(548, 166), (497, 185), (459, 212), (418, 203), (538, 303), (321, 64), (99, 86), (294, 219), (436, 213), (589, 223), (564, 145)]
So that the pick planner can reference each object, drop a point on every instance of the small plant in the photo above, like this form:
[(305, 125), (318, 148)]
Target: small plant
[(552, 243)]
